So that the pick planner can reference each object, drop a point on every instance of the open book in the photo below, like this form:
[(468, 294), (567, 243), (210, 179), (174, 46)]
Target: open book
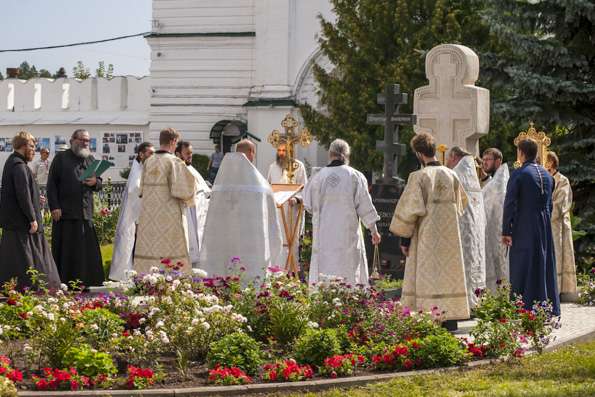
[(97, 167)]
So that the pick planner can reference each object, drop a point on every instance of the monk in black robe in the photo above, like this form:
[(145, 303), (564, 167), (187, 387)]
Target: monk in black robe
[(23, 244), (74, 240)]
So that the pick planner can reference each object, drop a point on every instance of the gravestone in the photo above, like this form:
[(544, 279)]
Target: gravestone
[(386, 191), (451, 107)]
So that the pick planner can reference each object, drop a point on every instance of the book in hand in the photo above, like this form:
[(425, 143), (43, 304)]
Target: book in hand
[(97, 167)]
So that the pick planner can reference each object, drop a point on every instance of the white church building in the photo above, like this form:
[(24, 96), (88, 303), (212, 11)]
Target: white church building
[(220, 70)]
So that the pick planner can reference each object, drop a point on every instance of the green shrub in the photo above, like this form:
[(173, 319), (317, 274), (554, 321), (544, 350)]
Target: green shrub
[(443, 350), (7, 388), (317, 344), (89, 362), (288, 319), (236, 350), (99, 327), (201, 162)]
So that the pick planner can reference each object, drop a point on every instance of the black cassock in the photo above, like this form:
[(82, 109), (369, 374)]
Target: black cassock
[(74, 240), (19, 206)]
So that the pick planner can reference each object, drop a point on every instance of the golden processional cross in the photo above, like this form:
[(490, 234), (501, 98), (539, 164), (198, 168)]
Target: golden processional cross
[(542, 140), (284, 192), (290, 138)]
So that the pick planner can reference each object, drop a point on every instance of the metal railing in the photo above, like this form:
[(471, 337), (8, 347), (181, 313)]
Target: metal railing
[(111, 193)]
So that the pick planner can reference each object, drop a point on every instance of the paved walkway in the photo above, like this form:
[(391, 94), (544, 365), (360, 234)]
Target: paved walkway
[(578, 322)]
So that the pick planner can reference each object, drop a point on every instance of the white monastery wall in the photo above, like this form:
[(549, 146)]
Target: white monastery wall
[(52, 109)]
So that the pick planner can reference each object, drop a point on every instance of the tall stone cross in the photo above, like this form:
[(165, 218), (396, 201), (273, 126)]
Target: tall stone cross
[(290, 138), (451, 107), (392, 99)]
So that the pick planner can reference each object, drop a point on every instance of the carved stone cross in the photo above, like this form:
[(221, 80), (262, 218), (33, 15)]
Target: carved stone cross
[(451, 107)]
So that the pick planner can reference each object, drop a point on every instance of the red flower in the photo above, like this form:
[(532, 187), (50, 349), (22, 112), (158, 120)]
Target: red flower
[(503, 320), (15, 375), (11, 301), (408, 364)]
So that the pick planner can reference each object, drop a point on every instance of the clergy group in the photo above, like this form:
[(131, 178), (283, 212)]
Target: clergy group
[(464, 226)]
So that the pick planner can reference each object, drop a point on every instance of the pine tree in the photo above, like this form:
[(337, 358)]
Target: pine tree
[(549, 77), (375, 42)]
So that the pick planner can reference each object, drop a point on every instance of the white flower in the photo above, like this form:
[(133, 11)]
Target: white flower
[(168, 278), (159, 324), (194, 321), (199, 273), (131, 273), (50, 316), (167, 300), (239, 318), (64, 287), (154, 269), (206, 326), (27, 348), (94, 326), (312, 324), (142, 320), (1, 330)]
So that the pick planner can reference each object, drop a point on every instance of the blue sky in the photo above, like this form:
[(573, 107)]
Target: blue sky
[(36, 23)]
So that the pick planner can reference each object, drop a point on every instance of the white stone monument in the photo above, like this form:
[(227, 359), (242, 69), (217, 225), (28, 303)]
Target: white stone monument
[(451, 107)]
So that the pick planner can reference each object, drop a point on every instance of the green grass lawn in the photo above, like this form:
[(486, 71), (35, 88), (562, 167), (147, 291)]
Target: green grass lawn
[(106, 255), (569, 371)]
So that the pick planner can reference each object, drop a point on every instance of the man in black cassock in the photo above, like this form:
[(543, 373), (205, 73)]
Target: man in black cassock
[(74, 240), (23, 244), (527, 230)]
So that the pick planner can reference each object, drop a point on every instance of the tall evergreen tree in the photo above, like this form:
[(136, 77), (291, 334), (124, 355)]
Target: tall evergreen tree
[(549, 77), (375, 42)]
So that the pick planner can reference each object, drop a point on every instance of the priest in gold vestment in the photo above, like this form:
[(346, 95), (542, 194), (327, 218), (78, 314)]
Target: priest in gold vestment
[(167, 188), (427, 220), (562, 231)]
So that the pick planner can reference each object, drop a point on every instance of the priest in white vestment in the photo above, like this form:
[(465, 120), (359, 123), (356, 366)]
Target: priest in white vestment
[(562, 231), (196, 215), (427, 220), (339, 201), (167, 188), (242, 224), (278, 175), (125, 236), (472, 224), (494, 192)]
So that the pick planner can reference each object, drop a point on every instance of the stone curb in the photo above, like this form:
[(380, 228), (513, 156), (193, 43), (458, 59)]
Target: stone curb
[(310, 386)]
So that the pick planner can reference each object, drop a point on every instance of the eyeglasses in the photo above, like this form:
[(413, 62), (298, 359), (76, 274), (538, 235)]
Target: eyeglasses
[(84, 140)]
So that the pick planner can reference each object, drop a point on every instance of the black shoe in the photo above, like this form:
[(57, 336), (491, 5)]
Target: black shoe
[(450, 325)]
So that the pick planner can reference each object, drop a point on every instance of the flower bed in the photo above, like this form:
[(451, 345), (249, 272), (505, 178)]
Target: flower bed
[(171, 330)]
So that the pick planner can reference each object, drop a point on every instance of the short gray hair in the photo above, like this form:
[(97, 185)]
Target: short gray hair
[(339, 149)]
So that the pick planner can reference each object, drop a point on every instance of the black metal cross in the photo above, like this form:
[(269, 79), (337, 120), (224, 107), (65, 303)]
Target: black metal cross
[(392, 99)]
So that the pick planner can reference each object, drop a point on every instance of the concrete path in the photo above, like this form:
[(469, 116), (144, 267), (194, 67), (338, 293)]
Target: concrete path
[(578, 322)]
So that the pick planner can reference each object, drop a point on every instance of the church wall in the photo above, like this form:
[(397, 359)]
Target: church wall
[(191, 16), (198, 81)]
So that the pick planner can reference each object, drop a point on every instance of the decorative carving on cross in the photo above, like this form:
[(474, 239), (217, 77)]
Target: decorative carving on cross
[(451, 107), (290, 138), (543, 142)]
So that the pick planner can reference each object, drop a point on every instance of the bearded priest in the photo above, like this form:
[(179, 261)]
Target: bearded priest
[(167, 187), (472, 224), (196, 215), (278, 175), (427, 220), (494, 191), (74, 240)]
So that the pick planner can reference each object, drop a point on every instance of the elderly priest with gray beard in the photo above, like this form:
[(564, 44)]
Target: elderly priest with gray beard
[(74, 241)]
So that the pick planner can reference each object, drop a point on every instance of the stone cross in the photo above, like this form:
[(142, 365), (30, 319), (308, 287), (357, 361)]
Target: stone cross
[(451, 107), (392, 99)]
